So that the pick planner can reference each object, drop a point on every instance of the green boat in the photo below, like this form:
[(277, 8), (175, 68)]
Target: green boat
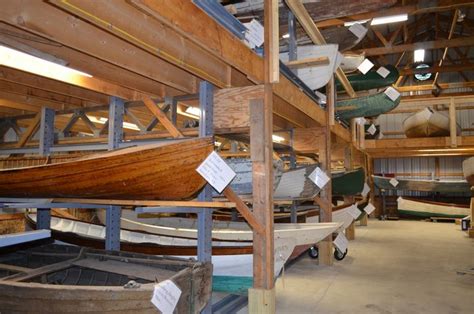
[(348, 183), (365, 106), (451, 186), (371, 79)]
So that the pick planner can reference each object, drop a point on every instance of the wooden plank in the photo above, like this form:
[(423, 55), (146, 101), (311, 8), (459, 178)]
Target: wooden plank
[(244, 210), (440, 69), (317, 38), (30, 131), (452, 123), (271, 62), (413, 88), (308, 62), (5, 217), (427, 45), (331, 101), (161, 116), (105, 202), (471, 228)]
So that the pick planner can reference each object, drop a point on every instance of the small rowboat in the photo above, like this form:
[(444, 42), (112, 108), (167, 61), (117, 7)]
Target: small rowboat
[(350, 62), (428, 123), (422, 208), (232, 269), (371, 79), (468, 170), (163, 171), (64, 279), (346, 183), (422, 185)]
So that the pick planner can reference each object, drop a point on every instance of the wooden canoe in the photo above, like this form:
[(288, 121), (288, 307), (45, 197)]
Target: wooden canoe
[(428, 123), (371, 79), (346, 183), (64, 279), (423, 208), (468, 170), (162, 171), (365, 106), (422, 185), (232, 272)]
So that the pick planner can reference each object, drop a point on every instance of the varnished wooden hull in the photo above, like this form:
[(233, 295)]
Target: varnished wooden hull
[(164, 171), (422, 185), (94, 282)]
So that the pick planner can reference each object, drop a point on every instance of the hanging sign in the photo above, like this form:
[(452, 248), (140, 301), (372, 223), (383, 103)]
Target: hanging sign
[(354, 211), (365, 66), (365, 190), (383, 72), (319, 177), (369, 208), (393, 182), (165, 296), (341, 242), (216, 171), (392, 93)]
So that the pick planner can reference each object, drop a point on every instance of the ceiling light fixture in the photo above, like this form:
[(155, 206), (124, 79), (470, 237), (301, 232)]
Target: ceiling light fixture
[(347, 24), (389, 19), (419, 55)]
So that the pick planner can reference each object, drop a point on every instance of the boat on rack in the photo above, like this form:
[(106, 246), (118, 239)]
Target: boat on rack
[(365, 106), (451, 186), (347, 183), (232, 260), (315, 76), (64, 278), (428, 123), (351, 61), (468, 170), (162, 171), (371, 79), (423, 208)]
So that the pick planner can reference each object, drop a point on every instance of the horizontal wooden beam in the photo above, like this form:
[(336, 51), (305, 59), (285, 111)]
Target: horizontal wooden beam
[(308, 62), (423, 87), (434, 69)]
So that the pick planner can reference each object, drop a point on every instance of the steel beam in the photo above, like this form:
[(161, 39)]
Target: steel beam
[(116, 111), (112, 228), (292, 36), (43, 218), (46, 131)]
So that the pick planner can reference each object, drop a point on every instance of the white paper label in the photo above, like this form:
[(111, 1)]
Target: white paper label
[(383, 72), (393, 182), (426, 113), (380, 135), (358, 30), (369, 208), (319, 177), (216, 171), (361, 121), (354, 211), (392, 93), (165, 296), (365, 66), (365, 190), (372, 129), (255, 33), (341, 242)]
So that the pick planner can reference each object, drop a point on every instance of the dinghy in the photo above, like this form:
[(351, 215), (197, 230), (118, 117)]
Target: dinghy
[(371, 79), (366, 106), (423, 208), (232, 271), (428, 123), (70, 279), (421, 185), (468, 170), (162, 171)]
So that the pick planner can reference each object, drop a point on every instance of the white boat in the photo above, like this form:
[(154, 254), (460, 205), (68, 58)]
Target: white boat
[(428, 123), (422, 208), (350, 62), (235, 270), (316, 76)]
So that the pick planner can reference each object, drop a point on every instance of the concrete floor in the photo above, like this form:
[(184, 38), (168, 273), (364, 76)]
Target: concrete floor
[(392, 267)]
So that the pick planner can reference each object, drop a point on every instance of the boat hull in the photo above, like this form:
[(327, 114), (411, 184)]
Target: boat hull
[(428, 123), (165, 171), (422, 185), (426, 209), (365, 106), (370, 80), (348, 183), (468, 170)]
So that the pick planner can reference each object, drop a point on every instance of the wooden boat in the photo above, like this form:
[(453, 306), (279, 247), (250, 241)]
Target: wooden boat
[(422, 185), (468, 170), (350, 62), (163, 171), (63, 279), (423, 208), (348, 182), (316, 77), (365, 106), (232, 272), (428, 123), (292, 184), (340, 36), (371, 79)]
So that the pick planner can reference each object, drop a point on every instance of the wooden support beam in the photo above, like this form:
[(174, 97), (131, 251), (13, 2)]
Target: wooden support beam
[(413, 88), (348, 165), (244, 210), (169, 126), (436, 68), (471, 228), (317, 38), (331, 100), (452, 123), (308, 62), (30, 131)]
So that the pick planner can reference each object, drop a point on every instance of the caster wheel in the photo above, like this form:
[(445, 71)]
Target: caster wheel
[(338, 255), (313, 252)]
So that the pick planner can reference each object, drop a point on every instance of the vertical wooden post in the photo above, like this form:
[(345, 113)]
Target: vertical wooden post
[(437, 172), (348, 165), (354, 132), (452, 123), (370, 171), (262, 295), (331, 100), (361, 136), (471, 228)]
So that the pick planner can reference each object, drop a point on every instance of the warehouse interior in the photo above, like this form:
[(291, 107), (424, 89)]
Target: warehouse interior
[(237, 156)]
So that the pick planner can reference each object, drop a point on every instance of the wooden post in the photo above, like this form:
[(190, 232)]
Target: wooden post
[(361, 136), (370, 171), (348, 165), (331, 100), (452, 123), (471, 228), (262, 295)]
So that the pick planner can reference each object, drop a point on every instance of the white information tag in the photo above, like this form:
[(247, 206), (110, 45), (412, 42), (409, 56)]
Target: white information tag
[(358, 30), (255, 32), (365, 190), (393, 182), (372, 129), (426, 113), (383, 72), (380, 135), (361, 120), (369, 208), (165, 296), (341, 242), (365, 66), (216, 171), (319, 177), (392, 93), (354, 211)]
